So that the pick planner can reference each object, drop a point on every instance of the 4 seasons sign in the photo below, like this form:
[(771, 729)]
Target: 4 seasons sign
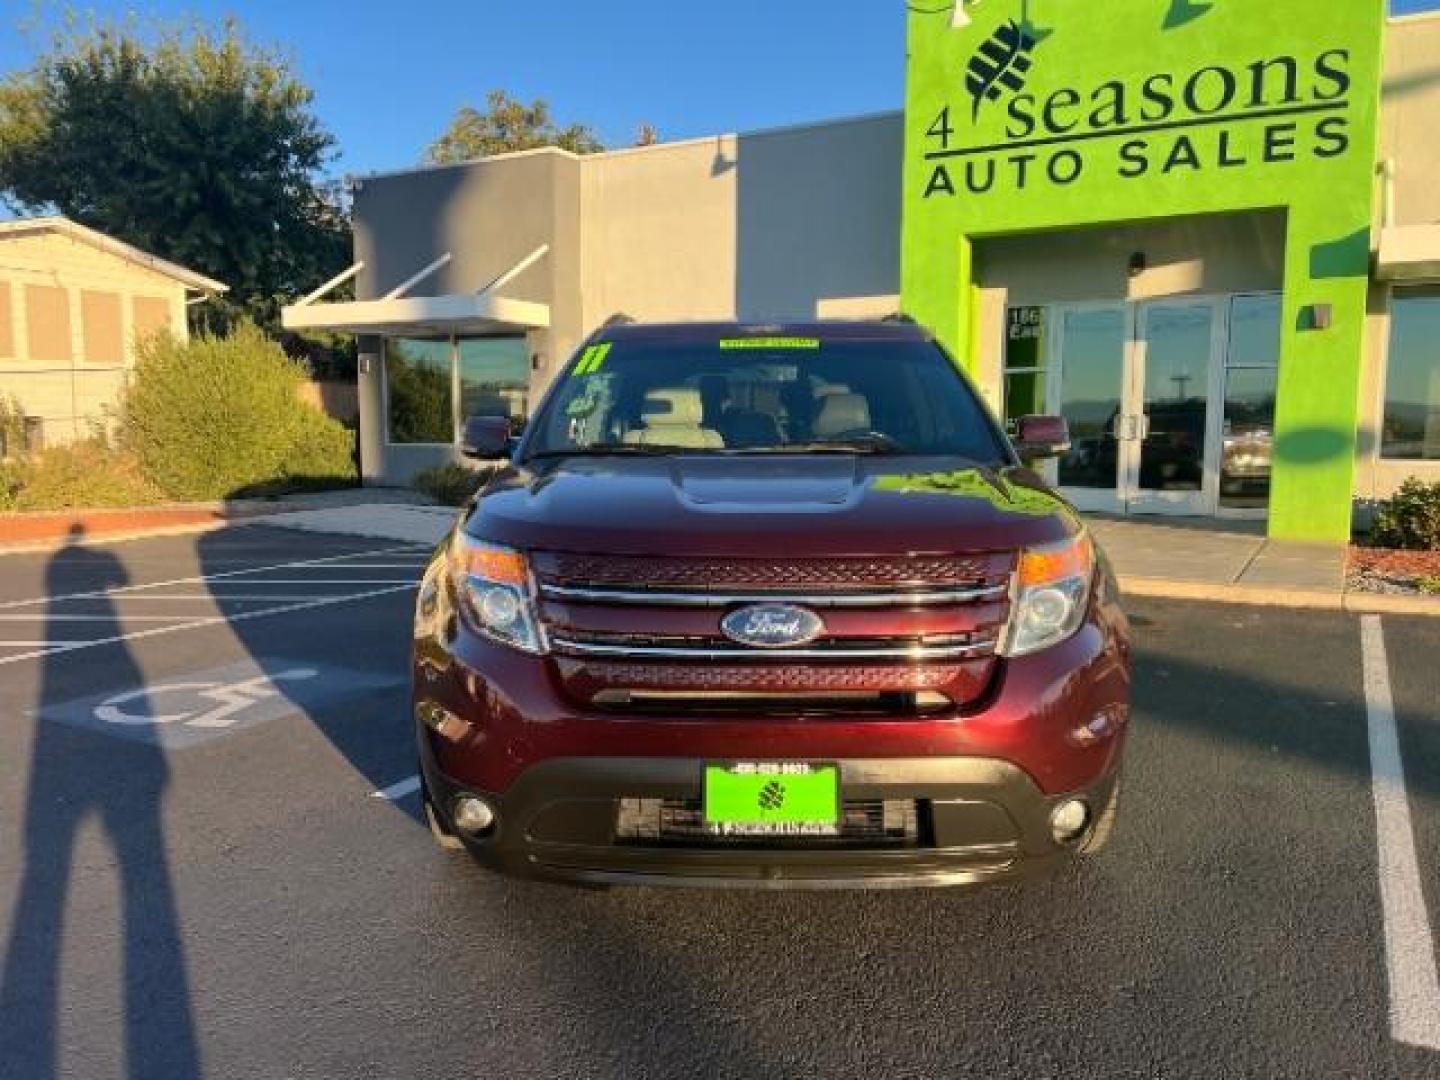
[(1046, 116), (1268, 111)]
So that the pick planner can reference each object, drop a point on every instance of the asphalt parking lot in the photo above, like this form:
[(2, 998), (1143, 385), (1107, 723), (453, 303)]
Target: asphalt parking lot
[(243, 888)]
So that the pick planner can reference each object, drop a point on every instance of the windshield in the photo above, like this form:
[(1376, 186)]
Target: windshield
[(765, 395)]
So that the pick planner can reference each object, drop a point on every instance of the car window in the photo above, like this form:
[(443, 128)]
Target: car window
[(754, 395)]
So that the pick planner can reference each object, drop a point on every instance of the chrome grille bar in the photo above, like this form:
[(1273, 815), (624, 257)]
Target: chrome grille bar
[(928, 598), (914, 654)]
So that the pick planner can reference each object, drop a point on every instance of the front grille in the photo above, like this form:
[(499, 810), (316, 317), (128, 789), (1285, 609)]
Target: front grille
[(781, 575), (894, 627), (867, 823)]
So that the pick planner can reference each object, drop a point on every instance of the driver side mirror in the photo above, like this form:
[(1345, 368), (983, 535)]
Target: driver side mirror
[(486, 438), (1041, 437)]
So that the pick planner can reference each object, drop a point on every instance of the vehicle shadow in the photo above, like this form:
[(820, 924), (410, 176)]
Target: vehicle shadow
[(76, 775), (369, 729)]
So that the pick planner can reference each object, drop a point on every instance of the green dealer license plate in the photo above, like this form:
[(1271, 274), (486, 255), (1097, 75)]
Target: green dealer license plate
[(772, 798)]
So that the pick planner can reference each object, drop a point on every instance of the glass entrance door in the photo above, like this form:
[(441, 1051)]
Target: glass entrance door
[(1089, 379), (1137, 384), (1175, 363)]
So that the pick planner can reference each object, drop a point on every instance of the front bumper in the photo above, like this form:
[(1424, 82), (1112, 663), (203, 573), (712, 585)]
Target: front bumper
[(981, 820)]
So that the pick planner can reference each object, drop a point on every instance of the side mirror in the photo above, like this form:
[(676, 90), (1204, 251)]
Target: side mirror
[(1041, 437), (486, 438)]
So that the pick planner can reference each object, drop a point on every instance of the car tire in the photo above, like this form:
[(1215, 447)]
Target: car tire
[(1099, 837), (443, 837)]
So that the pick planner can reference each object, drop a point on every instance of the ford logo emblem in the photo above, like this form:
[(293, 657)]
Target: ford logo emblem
[(772, 626)]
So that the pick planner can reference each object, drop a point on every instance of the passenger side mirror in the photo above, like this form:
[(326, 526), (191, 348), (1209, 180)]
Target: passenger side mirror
[(1041, 437), (486, 438)]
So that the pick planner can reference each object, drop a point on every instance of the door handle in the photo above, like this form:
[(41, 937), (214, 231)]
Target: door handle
[(1142, 424)]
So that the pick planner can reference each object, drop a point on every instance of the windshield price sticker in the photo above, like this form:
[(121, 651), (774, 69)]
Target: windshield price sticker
[(729, 344)]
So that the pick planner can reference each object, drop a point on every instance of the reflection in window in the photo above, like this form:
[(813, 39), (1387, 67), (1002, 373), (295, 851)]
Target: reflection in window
[(417, 373), (494, 376), (1411, 429), (1252, 367), (1092, 352)]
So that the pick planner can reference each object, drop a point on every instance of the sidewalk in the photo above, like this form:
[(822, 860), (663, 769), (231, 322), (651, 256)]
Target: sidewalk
[(1233, 562)]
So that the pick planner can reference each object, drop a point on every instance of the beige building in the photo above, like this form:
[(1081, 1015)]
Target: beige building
[(73, 304)]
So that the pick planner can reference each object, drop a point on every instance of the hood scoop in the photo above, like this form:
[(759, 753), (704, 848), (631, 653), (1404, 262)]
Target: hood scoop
[(753, 484)]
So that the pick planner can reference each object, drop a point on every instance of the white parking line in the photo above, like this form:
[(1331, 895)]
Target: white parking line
[(40, 644), (398, 790), (204, 579), (49, 617), (196, 624), (252, 597), (318, 581), (1409, 944)]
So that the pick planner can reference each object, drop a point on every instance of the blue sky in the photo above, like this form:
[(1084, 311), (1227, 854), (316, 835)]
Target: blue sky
[(388, 76)]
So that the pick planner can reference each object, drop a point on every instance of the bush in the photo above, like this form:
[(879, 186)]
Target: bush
[(217, 417), (1410, 520), (81, 475), (450, 485)]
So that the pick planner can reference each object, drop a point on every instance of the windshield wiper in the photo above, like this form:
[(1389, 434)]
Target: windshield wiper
[(873, 442), (613, 450)]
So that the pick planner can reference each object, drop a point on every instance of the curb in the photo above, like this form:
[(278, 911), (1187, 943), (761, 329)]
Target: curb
[(45, 547), (1254, 596)]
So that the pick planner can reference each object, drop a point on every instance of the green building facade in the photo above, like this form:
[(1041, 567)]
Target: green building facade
[(1029, 122)]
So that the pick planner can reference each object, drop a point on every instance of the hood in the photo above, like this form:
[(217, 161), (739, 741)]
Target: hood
[(768, 505)]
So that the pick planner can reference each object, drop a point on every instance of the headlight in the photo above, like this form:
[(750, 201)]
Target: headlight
[(495, 593), (1052, 594)]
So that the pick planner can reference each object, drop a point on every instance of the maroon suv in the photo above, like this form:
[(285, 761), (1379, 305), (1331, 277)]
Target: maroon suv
[(769, 606)]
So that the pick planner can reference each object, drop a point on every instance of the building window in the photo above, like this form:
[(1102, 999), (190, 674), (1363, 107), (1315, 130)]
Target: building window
[(434, 384), (494, 376), (1252, 370), (47, 315), (1411, 430), (7, 322), (418, 389), (1024, 364), (100, 325)]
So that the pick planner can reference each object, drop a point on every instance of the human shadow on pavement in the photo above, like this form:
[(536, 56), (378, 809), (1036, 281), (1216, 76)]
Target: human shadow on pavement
[(77, 774)]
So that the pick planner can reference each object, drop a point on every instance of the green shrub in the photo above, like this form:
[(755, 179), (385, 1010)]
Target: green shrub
[(1429, 584), (450, 485), (218, 417), (12, 431), (12, 480), (1410, 520), (82, 475)]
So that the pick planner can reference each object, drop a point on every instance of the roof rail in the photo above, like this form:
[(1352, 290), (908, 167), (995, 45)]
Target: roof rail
[(900, 317), (618, 319)]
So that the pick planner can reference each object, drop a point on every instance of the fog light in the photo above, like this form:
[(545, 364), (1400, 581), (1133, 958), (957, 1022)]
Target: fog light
[(473, 815), (1069, 820)]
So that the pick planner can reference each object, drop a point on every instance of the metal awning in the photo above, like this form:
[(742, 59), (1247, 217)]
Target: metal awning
[(477, 314), (1409, 253)]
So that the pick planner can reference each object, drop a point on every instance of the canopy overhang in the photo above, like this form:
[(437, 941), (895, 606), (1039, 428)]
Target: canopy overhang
[(1409, 253), (466, 314), (484, 313)]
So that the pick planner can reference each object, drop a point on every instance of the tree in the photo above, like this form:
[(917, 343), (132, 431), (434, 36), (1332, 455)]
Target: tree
[(189, 142), (507, 125)]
